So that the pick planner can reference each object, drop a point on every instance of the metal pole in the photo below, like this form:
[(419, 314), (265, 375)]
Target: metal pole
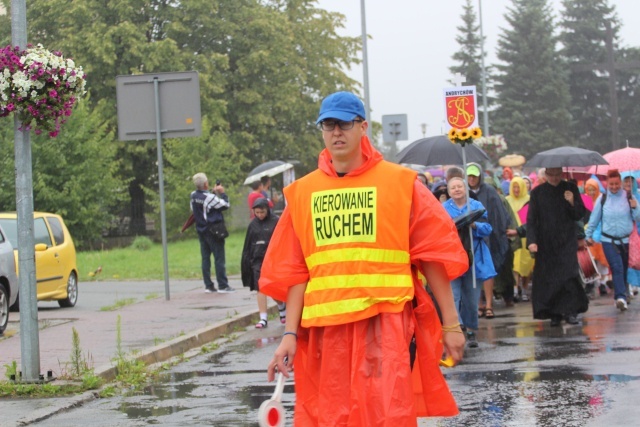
[(485, 112), (472, 267), (365, 68), (163, 220), (29, 339)]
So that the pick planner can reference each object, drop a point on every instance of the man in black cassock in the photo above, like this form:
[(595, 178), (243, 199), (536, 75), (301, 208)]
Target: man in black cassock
[(554, 208)]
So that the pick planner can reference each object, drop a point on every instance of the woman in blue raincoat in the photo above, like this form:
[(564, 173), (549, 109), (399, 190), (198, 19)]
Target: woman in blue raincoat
[(465, 292)]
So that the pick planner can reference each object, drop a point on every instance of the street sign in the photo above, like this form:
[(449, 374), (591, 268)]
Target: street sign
[(394, 128), (179, 98)]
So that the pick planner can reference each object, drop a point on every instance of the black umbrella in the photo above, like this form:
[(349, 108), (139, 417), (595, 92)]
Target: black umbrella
[(272, 168), (566, 156), (439, 150)]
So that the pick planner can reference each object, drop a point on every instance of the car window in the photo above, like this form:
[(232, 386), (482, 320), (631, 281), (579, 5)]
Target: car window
[(41, 232), (10, 228), (56, 230), (1, 237)]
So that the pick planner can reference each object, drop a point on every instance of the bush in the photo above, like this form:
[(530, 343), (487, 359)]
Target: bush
[(142, 243)]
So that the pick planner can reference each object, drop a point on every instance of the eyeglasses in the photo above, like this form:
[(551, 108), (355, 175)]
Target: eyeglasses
[(329, 125)]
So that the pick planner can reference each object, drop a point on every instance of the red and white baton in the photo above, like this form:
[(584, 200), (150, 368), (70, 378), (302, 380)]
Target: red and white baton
[(271, 412)]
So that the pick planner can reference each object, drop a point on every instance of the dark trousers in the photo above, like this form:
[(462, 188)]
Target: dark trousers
[(209, 245), (618, 259)]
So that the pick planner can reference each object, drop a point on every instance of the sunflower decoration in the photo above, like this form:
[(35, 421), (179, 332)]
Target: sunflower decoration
[(464, 136)]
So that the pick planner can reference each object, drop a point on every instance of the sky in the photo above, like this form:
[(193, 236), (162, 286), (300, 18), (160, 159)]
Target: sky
[(410, 47)]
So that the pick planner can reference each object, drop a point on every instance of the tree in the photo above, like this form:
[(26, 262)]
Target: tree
[(263, 67), (532, 94), (583, 39), (73, 175), (628, 92), (469, 57)]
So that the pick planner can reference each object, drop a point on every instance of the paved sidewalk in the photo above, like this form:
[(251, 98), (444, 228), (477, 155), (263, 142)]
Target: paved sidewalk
[(155, 330)]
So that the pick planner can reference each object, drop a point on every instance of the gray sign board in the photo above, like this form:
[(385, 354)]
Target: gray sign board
[(179, 97), (394, 128)]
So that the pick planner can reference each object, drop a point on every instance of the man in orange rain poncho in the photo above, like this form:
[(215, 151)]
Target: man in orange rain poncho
[(345, 257)]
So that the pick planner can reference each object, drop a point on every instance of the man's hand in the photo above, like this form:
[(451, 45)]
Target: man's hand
[(533, 248), (568, 196), (282, 358), (511, 233), (633, 203), (590, 242), (219, 189), (454, 345)]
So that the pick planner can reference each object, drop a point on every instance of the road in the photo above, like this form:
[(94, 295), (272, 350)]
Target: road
[(524, 373)]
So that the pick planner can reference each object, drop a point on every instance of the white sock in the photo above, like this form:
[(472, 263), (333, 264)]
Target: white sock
[(263, 316)]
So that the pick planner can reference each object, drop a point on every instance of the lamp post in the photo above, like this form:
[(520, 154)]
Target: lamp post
[(423, 126), (365, 67), (485, 113)]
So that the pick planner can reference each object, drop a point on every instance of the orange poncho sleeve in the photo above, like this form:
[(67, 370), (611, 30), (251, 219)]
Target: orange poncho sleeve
[(433, 234), (284, 265)]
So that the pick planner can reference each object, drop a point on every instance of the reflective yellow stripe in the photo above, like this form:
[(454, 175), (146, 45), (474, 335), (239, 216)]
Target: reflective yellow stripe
[(357, 254), (346, 306), (353, 281)]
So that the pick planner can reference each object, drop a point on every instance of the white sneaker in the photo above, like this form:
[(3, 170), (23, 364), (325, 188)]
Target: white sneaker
[(621, 304), (209, 290)]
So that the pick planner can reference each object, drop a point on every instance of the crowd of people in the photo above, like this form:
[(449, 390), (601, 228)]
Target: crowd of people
[(537, 224), (375, 291)]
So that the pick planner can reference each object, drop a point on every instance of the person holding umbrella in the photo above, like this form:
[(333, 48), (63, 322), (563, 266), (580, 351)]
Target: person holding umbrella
[(554, 208)]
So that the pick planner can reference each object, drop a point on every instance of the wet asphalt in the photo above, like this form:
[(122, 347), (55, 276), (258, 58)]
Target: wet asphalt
[(524, 373)]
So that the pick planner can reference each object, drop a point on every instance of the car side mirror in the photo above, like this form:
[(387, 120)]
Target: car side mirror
[(41, 247)]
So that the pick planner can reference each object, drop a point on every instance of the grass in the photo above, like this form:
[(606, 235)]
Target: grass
[(118, 304), (132, 264)]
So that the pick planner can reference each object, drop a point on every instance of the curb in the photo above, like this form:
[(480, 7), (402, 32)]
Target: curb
[(150, 356), (70, 403), (184, 343)]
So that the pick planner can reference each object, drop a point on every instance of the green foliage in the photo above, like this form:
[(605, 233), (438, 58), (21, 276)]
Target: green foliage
[(73, 174), (142, 243), (533, 97), (78, 363), (583, 39), (628, 89), (130, 371), (8, 389), (90, 381), (118, 304), (11, 369), (263, 67), (184, 260)]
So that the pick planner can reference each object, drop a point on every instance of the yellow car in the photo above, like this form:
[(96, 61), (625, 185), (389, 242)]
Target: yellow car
[(56, 270)]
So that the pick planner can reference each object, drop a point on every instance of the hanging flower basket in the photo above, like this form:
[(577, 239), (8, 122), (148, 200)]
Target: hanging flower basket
[(40, 86), (493, 145), (464, 136)]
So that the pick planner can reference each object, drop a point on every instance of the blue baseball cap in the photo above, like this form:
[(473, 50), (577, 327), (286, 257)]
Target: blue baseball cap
[(342, 106)]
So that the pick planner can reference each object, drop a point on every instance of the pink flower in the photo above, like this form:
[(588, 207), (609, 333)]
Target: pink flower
[(10, 107), (53, 93)]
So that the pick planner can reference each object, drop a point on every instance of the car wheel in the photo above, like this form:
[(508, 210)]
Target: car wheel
[(4, 308), (72, 292)]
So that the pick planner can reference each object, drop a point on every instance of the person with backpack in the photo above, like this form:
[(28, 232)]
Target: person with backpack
[(616, 210)]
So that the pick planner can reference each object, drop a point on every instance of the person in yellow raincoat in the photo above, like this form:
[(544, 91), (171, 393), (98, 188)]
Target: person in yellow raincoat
[(345, 257), (518, 199)]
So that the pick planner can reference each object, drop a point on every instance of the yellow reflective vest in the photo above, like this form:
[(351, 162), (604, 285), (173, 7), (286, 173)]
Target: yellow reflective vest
[(354, 233)]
